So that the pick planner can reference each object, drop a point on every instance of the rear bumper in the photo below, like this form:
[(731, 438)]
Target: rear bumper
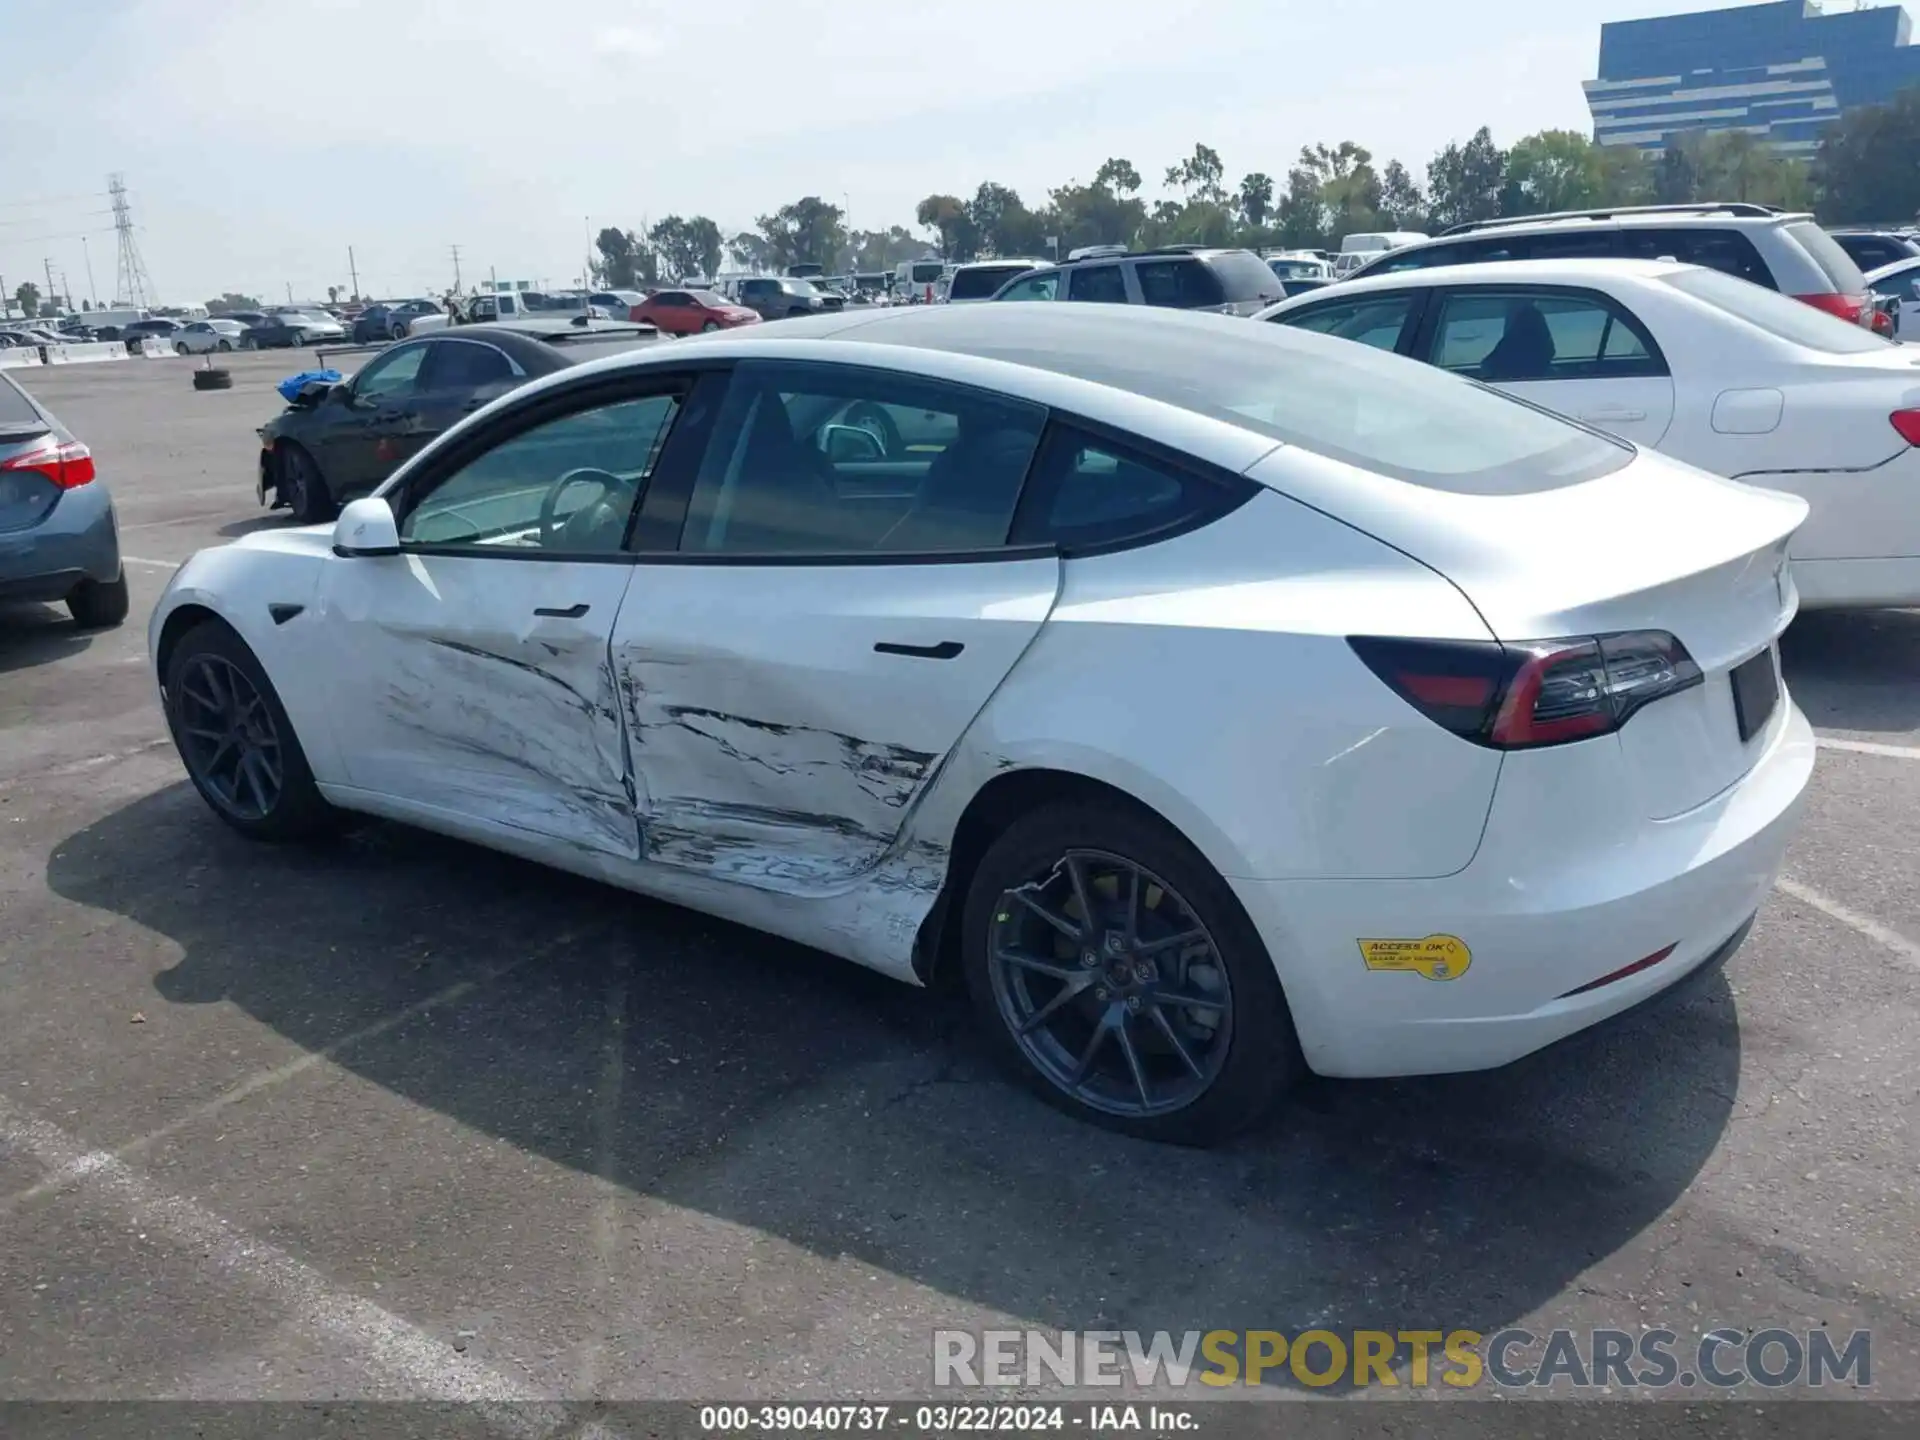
[(1540, 915), (78, 541)]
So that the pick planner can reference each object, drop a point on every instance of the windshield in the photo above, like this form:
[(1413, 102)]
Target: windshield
[(1297, 269), (927, 273), (1828, 255), (1245, 275), (799, 287), (977, 282), (1778, 315)]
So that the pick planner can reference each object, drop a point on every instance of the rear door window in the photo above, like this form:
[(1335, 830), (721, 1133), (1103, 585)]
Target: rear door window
[(1727, 251), (466, 365), (1086, 490), (1100, 284), (1180, 284), (1502, 336), (1241, 275)]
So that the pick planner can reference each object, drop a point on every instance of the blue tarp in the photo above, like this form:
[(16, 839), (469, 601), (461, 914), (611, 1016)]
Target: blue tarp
[(294, 384)]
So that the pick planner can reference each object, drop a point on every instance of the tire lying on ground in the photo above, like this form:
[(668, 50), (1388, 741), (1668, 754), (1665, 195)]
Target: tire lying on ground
[(213, 379)]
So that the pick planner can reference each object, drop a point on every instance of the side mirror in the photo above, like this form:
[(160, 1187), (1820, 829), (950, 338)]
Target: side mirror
[(850, 442), (366, 527)]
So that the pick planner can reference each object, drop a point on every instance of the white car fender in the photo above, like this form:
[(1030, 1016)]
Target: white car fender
[(261, 587)]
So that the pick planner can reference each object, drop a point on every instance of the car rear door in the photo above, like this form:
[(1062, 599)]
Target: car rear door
[(361, 444), (1568, 349), (799, 673), (458, 377)]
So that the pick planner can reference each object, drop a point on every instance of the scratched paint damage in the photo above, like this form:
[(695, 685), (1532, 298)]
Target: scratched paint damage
[(778, 805), (533, 763)]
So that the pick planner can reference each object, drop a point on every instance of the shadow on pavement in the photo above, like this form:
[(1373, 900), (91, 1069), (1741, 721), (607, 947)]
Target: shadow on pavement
[(38, 635), (273, 519), (1854, 669), (781, 1089)]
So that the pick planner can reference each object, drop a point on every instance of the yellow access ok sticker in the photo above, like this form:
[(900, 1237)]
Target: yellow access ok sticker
[(1438, 957)]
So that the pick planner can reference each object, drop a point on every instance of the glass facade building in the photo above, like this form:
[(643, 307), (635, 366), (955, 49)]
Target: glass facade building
[(1781, 71)]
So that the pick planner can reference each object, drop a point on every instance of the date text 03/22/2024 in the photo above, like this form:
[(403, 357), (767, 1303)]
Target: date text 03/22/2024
[(945, 1419)]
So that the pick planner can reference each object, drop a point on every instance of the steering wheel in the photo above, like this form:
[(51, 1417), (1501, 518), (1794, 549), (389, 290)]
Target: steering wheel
[(610, 486), (865, 415)]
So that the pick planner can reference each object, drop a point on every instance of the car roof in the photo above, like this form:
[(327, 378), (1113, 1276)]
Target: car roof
[(1892, 267), (1510, 272)]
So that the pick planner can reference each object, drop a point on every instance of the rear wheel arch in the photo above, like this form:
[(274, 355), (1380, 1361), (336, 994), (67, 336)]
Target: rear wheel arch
[(997, 804)]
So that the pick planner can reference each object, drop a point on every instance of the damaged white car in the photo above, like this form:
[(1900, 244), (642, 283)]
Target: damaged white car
[(1219, 701)]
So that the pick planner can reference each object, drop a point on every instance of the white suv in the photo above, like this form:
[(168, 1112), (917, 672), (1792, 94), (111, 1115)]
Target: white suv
[(1780, 250)]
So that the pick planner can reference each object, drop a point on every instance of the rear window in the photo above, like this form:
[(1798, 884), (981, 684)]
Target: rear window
[(1244, 276), (927, 273), (1828, 255), (16, 411), (981, 281), (1178, 284), (1384, 413), (1778, 315)]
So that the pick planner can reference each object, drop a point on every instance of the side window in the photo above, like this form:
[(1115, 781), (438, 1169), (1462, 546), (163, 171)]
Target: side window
[(1101, 284), (1087, 490), (389, 376), (1419, 258), (1725, 250), (1378, 320), (1035, 287), (1515, 336), (1178, 284), (810, 459), (466, 365), (567, 486)]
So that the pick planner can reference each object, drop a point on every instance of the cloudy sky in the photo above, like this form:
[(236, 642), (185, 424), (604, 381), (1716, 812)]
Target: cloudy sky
[(262, 138)]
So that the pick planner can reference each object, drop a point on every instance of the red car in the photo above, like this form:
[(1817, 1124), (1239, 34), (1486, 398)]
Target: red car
[(688, 312)]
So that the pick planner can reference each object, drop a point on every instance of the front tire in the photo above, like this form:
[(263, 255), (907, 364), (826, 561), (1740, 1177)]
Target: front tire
[(237, 742), (179, 349), (225, 346), (709, 327), (99, 606), (1115, 972), (303, 487)]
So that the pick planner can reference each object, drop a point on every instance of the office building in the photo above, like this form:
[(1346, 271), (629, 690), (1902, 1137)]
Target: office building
[(1781, 71)]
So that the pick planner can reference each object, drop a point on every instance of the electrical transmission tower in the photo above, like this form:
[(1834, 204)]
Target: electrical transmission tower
[(132, 286)]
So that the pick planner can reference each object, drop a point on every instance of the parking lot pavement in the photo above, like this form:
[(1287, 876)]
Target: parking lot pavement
[(400, 1117)]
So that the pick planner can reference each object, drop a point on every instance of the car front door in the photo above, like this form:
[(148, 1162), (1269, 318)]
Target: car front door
[(1574, 351), (799, 674), (474, 684), (361, 443)]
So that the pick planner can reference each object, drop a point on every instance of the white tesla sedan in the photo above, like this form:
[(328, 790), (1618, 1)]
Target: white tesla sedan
[(1218, 700), (1711, 369)]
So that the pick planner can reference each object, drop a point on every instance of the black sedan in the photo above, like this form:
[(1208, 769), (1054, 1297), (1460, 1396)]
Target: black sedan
[(338, 441), (290, 329)]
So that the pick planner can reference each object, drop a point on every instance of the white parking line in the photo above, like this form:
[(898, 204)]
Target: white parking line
[(1868, 747), (157, 564), (1904, 950), (429, 1367)]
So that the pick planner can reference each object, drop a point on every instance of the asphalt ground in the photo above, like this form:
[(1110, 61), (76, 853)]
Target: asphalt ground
[(404, 1118)]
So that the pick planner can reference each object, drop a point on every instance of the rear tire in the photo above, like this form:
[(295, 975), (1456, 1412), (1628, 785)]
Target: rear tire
[(225, 346), (303, 487), (1189, 1075), (709, 327), (277, 799), (179, 349), (98, 606)]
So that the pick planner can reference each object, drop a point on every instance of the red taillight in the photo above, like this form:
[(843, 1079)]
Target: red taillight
[(1532, 693), (1622, 973), (1882, 322), (69, 466), (1907, 422), (1854, 309)]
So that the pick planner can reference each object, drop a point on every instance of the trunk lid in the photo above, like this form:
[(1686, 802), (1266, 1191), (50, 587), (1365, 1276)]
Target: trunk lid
[(1654, 545)]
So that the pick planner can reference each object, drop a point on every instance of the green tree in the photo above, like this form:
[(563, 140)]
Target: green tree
[(1464, 181), (748, 250), (1199, 176), (1867, 168), (1119, 176), (947, 217), (27, 297), (618, 267), (1676, 175), (230, 302), (1552, 170), (884, 249), (1626, 175), (1002, 223), (1256, 198), (1402, 204), (688, 249), (1300, 217), (808, 231)]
